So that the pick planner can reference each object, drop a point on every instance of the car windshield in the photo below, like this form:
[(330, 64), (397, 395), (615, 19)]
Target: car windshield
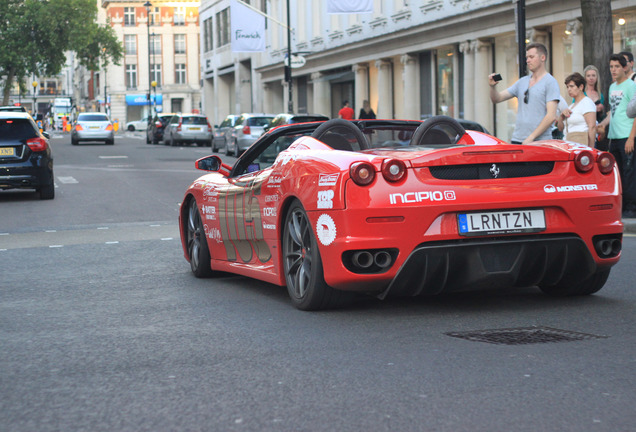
[(16, 129), (92, 117), (399, 136), (259, 121), (194, 120), (306, 119)]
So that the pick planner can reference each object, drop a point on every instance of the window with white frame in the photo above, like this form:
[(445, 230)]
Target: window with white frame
[(179, 44), (180, 73), (155, 44), (155, 73), (129, 16), (155, 17), (223, 27), (207, 35), (179, 16), (131, 76), (130, 44)]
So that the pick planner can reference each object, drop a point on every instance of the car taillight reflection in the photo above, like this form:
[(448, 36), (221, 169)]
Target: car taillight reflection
[(37, 144)]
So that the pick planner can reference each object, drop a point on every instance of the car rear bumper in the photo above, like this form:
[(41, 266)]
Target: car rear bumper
[(193, 137), (493, 263), (93, 136), (31, 174)]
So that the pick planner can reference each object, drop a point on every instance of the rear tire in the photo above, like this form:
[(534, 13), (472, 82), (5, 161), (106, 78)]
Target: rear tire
[(302, 265), (589, 286), (47, 192), (197, 243)]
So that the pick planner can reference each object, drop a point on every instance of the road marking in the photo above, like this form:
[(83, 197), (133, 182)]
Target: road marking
[(113, 157), (115, 234), (67, 180)]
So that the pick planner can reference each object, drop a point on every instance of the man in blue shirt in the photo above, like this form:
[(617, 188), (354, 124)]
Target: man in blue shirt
[(538, 95)]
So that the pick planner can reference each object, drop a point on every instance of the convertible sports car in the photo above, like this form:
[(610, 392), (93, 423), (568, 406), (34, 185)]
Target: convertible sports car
[(389, 207)]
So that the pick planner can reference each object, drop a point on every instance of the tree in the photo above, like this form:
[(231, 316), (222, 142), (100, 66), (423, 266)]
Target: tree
[(598, 39), (36, 34)]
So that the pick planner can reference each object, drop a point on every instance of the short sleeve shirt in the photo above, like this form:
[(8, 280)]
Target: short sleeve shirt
[(530, 114), (576, 122), (346, 113), (619, 96)]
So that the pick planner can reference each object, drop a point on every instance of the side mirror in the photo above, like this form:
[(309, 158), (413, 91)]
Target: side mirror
[(208, 163)]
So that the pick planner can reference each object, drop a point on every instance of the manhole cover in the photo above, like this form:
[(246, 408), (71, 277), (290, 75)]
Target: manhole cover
[(523, 335)]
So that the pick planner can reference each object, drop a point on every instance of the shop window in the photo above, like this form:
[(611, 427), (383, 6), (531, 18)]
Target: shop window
[(445, 81)]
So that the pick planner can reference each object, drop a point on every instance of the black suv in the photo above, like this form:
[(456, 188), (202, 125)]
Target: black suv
[(25, 155), (154, 132)]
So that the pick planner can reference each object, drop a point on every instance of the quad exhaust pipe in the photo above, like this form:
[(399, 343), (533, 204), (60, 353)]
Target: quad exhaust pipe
[(371, 261), (607, 247)]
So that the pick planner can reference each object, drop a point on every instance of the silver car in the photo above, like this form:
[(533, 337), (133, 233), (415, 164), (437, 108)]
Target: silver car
[(221, 131), (188, 128), (92, 126), (247, 129)]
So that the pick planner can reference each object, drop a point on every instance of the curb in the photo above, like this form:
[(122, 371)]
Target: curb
[(629, 226)]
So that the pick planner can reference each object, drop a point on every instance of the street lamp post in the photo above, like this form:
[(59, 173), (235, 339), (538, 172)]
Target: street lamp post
[(35, 110), (154, 90), (148, 5)]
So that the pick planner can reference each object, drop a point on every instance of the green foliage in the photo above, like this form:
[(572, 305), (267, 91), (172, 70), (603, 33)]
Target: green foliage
[(36, 34)]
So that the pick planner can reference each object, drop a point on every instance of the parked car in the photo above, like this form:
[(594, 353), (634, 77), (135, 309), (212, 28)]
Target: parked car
[(246, 130), (220, 132), (285, 118), (138, 124), (154, 133), (13, 108), (26, 161), (342, 207), (92, 126), (188, 128)]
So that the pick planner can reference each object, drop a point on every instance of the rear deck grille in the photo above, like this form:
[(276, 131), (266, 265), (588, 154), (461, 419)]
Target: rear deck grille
[(491, 171)]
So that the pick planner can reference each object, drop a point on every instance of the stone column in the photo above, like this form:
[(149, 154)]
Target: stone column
[(411, 86), (468, 48), (267, 97), (322, 94), (575, 27), (385, 95), (482, 108), (361, 71)]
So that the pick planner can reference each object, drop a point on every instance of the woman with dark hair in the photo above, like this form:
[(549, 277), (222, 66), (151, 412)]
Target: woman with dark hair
[(579, 121)]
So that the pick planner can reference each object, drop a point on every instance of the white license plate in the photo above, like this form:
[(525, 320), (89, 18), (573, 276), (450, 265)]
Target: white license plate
[(501, 222)]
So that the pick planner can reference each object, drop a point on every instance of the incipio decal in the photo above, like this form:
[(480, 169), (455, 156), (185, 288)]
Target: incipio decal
[(418, 197), (326, 229), (328, 179)]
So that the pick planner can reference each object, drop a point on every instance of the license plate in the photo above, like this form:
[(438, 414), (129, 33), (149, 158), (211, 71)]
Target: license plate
[(7, 151), (94, 127), (501, 222), (195, 128)]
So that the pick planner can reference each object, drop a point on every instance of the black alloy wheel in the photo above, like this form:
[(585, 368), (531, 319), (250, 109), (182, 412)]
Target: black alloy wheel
[(196, 242), (304, 275)]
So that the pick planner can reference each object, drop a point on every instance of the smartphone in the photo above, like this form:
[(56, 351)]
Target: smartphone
[(496, 77)]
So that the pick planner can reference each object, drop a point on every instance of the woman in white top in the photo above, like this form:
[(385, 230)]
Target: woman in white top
[(579, 121)]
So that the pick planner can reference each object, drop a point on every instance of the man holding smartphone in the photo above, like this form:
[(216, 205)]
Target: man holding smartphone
[(538, 95)]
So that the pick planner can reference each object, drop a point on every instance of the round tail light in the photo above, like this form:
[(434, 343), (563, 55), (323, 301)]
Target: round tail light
[(362, 173), (393, 170), (606, 162), (584, 161)]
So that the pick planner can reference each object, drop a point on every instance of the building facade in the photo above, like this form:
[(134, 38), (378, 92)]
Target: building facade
[(160, 69), (410, 59)]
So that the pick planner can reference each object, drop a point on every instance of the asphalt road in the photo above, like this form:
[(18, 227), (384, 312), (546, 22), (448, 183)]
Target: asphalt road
[(103, 327)]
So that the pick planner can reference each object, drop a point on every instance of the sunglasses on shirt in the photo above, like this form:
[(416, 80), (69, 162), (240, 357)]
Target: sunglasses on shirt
[(525, 96)]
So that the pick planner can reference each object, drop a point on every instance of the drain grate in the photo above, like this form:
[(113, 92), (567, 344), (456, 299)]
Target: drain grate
[(523, 336)]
